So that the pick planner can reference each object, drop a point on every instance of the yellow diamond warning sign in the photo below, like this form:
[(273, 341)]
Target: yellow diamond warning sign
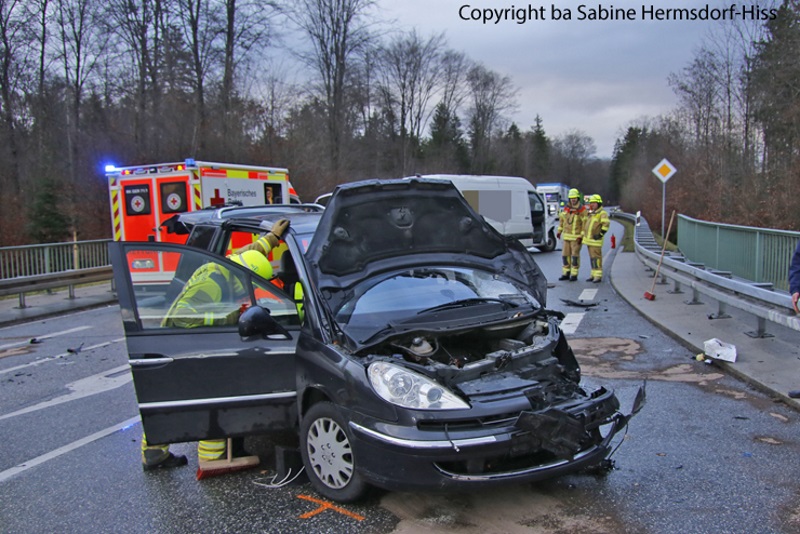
[(664, 170)]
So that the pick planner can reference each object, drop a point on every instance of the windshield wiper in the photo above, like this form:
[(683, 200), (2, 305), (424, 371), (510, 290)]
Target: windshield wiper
[(463, 303)]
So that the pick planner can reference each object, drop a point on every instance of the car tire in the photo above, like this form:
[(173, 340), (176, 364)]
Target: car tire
[(550, 244), (328, 456)]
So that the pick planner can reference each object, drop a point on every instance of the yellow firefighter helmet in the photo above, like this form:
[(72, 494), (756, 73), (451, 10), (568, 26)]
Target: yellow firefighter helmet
[(255, 261)]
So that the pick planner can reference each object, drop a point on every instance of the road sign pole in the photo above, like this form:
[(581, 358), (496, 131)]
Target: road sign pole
[(664, 171), (663, 207)]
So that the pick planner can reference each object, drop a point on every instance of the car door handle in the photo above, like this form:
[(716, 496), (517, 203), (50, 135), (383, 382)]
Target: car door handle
[(150, 362)]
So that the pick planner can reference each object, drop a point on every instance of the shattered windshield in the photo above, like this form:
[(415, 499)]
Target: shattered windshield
[(420, 295)]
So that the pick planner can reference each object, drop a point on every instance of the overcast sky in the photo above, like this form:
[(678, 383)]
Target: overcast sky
[(594, 76)]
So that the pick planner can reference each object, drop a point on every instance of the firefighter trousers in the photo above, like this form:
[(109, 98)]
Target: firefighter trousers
[(596, 260), (571, 258)]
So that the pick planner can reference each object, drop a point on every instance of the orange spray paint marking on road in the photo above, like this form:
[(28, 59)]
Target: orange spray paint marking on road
[(325, 505)]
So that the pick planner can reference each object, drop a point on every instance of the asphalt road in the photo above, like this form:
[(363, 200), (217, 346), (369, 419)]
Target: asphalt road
[(706, 454)]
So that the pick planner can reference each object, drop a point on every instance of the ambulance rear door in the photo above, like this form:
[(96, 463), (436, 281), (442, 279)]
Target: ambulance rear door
[(149, 200)]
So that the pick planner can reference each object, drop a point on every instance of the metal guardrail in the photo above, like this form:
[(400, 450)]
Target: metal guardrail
[(35, 260), (757, 254), (30, 268), (27, 284), (757, 299)]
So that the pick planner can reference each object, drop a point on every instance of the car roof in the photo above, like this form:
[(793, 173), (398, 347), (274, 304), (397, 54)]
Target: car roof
[(184, 222), (300, 222)]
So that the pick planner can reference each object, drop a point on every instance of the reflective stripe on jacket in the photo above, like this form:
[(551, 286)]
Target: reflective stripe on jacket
[(571, 222), (596, 223)]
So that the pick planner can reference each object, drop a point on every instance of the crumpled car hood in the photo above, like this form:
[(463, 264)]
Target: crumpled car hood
[(371, 226)]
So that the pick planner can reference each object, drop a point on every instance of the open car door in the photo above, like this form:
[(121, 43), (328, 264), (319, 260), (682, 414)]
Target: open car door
[(538, 217), (195, 376)]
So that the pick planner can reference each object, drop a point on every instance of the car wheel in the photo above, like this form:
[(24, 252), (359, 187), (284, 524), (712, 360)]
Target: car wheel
[(328, 454), (551, 243)]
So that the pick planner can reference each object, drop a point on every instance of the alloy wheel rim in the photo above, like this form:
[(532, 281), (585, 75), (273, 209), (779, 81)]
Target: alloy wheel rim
[(330, 453)]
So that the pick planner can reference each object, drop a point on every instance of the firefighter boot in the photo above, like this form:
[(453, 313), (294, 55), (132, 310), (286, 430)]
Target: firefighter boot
[(565, 268), (170, 461)]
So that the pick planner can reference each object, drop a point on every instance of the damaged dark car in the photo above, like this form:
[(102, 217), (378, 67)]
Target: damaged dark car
[(406, 341)]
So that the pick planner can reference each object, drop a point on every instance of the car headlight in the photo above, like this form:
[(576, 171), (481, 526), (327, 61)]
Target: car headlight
[(408, 389)]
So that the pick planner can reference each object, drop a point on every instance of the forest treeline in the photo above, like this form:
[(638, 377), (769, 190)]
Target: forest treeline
[(332, 92)]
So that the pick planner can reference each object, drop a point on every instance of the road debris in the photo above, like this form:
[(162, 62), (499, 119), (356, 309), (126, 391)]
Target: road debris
[(719, 350)]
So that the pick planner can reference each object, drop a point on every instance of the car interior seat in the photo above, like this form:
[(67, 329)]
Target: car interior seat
[(288, 272)]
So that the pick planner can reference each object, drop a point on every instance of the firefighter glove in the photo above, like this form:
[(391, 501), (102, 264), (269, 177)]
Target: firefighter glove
[(232, 317), (597, 236), (279, 228), (558, 235)]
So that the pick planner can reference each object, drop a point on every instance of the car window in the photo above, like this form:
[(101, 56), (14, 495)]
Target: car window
[(201, 237), (202, 292), (240, 238), (536, 202)]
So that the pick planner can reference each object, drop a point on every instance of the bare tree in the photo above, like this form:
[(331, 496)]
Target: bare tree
[(247, 24), (141, 28), (15, 40), (573, 151), (277, 97), (698, 91), (82, 42), (337, 31), (203, 28), (454, 67), (40, 11), (491, 95), (410, 74)]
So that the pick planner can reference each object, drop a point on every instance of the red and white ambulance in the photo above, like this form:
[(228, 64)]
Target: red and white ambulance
[(143, 197)]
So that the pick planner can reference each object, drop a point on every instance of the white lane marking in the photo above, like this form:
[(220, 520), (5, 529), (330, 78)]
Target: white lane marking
[(46, 336), (84, 387), (587, 295), (571, 321), (62, 355), (8, 473)]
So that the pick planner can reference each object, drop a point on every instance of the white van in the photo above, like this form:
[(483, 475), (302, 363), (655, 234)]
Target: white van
[(510, 204)]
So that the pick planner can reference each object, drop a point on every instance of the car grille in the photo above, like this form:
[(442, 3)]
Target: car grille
[(494, 421)]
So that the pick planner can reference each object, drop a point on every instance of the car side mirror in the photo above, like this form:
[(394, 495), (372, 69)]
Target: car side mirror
[(257, 323)]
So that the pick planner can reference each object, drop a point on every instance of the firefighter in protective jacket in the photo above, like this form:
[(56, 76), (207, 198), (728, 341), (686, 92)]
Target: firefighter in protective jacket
[(210, 298), (571, 222), (596, 227)]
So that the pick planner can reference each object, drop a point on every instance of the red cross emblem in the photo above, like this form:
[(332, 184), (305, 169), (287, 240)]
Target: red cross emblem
[(137, 203), (216, 200), (174, 201)]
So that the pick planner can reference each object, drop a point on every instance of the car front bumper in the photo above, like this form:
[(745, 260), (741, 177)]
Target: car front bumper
[(399, 458)]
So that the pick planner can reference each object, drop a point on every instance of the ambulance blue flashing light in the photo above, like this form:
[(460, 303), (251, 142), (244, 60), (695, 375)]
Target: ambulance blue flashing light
[(190, 162), (110, 168)]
